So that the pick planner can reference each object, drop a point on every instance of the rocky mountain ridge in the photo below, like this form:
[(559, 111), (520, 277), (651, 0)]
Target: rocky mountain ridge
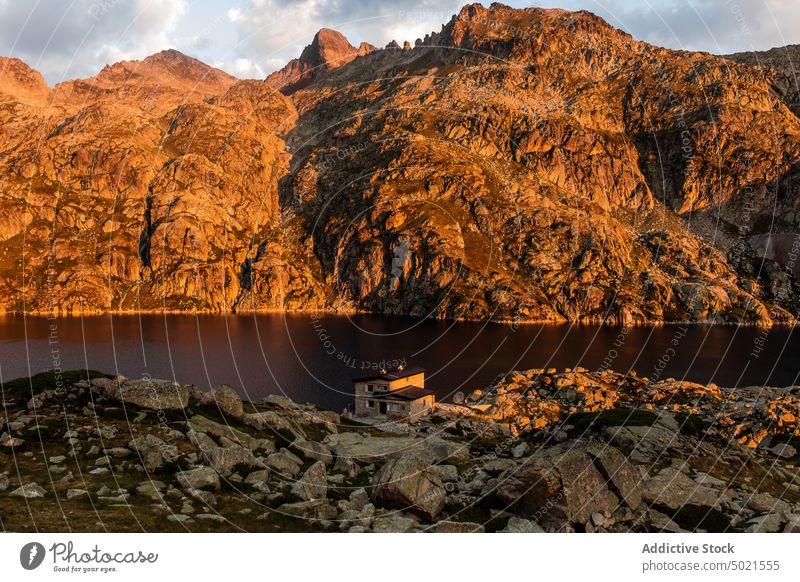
[(526, 165)]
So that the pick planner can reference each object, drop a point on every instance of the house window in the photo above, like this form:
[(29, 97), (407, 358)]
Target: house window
[(369, 388), (370, 404), (393, 407)]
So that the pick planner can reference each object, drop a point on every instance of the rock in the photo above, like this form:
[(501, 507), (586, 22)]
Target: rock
[(226, 460), (257, 477), (180, 518), (766, 503), (313, 484), (359, 499), (201, 424), (408, 483), (393, 524), (447, 473), (151, 489), (284, 463), (117, 452), (29, 491), (456, 527), (519, 525), (792, 523), (658, 522), (622, 478), (520, 450), (199, 478), (459, 398), (318, 509), (153, 394), (784, 451), (226, 400), (153, 452), (76, 493), (770, 523), (560, 487), (673, 489), (312, 450)]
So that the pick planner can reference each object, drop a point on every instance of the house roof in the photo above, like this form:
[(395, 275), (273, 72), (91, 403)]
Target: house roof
[(406, 393), (390, 375)]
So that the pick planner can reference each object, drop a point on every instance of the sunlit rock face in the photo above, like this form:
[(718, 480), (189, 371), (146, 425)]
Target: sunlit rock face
[(518, 165)]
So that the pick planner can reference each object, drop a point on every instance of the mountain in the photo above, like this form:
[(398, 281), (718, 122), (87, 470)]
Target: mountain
[(517, 165), (328, 50)]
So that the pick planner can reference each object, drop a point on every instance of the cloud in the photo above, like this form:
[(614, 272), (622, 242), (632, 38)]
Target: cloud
[(64, 40), (273, 31), (717, 26)]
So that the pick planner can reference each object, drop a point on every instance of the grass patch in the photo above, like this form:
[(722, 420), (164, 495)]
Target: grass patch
[(28, 387), (583, 421), (691, 424)]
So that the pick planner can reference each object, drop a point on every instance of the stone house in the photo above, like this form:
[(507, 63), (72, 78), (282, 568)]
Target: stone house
[(394, 394)]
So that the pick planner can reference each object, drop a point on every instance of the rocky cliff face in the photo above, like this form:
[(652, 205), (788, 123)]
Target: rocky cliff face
[(520, 164)]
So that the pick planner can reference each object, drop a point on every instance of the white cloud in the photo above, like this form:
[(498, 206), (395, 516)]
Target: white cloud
[(273, 31), (64, 40)]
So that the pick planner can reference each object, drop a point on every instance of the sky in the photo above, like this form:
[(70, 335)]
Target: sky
[(66, 39)]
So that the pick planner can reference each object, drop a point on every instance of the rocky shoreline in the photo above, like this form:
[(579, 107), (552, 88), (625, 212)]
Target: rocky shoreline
[(537, 451)]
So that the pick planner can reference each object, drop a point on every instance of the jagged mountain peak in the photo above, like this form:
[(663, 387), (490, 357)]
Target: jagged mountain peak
[(328, 50)]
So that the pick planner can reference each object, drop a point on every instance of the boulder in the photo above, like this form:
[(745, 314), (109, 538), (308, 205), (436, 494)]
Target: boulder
[(226, 400), (284, 463), (153, 394), (408, 483), (673, 489), (622, 478), (313, 484), (312, 450), (456, 527), (393, 524), (766, 503), (226, 460), (199, 478), (153, 452), (317, 509), (76, 494), (201, 424), (784, 450), (519, 525), (560, 487), (29, 491)]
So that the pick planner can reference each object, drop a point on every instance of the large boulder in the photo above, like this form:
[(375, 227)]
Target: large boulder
[(622, 478), (226, 400), (201, 424), (153, 394), (673, 489), (408, 483), (153, 452), (313, 484), (559, 488)]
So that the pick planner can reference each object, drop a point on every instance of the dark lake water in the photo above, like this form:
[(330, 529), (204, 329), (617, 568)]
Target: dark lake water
[(313, 359)]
